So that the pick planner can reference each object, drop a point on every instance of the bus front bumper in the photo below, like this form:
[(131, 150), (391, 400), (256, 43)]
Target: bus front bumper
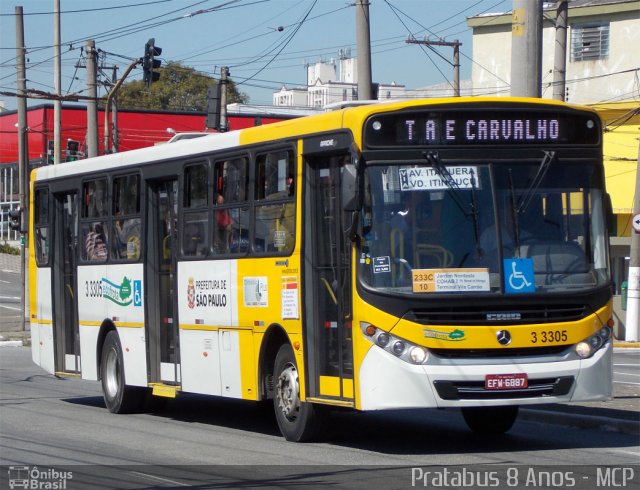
[(386, 382)]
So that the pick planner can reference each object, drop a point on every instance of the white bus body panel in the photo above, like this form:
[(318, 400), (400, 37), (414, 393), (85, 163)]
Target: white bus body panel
[(388, 382), (114, 293), (88, 349), (200, 361), (208, 306), (42, 341)]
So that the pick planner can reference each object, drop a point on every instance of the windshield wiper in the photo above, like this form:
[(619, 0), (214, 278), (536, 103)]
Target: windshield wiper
[(452, 190), (447, 178), (523, 203), (514, 214), (537, 180)]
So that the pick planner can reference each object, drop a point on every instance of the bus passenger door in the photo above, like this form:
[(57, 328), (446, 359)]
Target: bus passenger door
[(65, 283), (327, 281), (160, 277)]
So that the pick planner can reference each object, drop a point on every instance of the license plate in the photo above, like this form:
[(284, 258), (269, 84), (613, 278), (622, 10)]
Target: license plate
[(516, 381)]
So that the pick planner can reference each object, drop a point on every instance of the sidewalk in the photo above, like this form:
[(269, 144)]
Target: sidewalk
[(621, 414)]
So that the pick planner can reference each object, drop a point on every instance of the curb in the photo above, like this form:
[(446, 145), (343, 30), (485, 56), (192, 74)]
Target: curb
[(581, 421), (626, 345)]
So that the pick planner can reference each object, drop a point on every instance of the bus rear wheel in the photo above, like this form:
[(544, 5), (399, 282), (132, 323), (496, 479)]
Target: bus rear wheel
[(298, 421), (118, 397), (490, 420)]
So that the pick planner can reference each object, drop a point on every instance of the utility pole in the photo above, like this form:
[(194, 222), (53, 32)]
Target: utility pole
[(560, 55), (455, 44), (526, 48), (224, 73), (57, 83), (363, 43), (633, 291), (114, 115), (111, 105), (23, 157), (92, 104), (110, 96)]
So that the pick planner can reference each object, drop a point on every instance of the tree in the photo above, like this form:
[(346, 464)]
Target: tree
[(180, 88)]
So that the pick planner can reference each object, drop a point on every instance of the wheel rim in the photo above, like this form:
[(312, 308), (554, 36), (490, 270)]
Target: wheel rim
[(288, 392), (111, 376)]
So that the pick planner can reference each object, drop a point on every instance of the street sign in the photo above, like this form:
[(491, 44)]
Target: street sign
[(636, 223)]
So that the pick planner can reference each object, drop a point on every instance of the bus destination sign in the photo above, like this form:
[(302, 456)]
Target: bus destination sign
[(480, 127)]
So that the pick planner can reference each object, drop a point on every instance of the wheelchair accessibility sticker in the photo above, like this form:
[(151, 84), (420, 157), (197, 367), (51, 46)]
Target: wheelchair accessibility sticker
[(518, 276)]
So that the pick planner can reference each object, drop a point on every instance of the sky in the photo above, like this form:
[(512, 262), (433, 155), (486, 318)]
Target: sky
[(265, 43)]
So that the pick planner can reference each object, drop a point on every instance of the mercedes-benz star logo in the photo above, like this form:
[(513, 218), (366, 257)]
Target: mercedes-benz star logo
[(504, 337)]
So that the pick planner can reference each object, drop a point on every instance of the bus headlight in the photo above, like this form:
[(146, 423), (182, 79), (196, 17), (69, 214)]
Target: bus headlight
[(383, 339), (583, 350), (590, 345), (417, 355), (400, 348)]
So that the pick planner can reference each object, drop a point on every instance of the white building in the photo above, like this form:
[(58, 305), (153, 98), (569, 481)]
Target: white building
[(326, 85), (603, 54)]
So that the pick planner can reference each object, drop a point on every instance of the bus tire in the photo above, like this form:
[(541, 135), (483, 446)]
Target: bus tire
[(298, 421), (118, 397), (490, 420)]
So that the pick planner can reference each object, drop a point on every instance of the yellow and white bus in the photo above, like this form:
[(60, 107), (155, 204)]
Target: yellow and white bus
[(430, 253)]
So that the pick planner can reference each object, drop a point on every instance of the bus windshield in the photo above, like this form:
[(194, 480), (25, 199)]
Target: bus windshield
[(503, 227)]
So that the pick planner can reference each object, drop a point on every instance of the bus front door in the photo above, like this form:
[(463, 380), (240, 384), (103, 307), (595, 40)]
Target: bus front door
[(327, 281), (65, 283), (162, 324)]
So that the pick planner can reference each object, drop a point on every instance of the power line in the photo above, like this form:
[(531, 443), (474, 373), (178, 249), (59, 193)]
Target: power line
[(92, 10), (284, 44)]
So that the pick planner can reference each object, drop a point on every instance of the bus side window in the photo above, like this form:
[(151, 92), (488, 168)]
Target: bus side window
[(230, 206), (94, 230), (195, 233), (275, 223), (126, 229)]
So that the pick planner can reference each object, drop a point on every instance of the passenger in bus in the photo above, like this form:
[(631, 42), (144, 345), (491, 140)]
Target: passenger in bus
[(194, 239), (95, 243), (126, 236), (97, 200), (223, 225)]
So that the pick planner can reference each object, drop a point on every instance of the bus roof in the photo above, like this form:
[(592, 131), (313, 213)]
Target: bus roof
[(352, 117)]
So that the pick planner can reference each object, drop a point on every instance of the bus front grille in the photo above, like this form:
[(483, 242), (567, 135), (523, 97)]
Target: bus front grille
[(520, 352), (475, 390), (513, 314)]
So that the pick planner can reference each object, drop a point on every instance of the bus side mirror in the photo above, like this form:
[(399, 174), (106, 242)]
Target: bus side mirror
[(349, 187), (611, 219)]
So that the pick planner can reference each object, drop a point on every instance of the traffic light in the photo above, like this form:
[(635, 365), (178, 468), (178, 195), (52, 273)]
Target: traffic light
[(15, 219), (73, 147), (50, 150), (149, 63), (213, 106)]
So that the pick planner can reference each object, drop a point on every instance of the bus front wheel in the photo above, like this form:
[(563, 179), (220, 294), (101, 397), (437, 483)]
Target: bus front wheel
[(490, 420), (118, 397), (298, 421)]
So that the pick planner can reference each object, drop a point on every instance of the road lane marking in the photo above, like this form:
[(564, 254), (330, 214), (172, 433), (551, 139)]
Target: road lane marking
[(11, 308), (159, 479)]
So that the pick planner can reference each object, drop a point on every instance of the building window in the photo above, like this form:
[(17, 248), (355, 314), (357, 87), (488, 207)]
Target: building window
[(589, 41)]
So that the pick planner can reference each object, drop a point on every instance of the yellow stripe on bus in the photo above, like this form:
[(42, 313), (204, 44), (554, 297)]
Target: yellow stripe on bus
[(88, 323), (42, 321)]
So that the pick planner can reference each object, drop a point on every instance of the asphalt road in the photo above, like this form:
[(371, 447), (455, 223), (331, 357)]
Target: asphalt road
[(59, 424)]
